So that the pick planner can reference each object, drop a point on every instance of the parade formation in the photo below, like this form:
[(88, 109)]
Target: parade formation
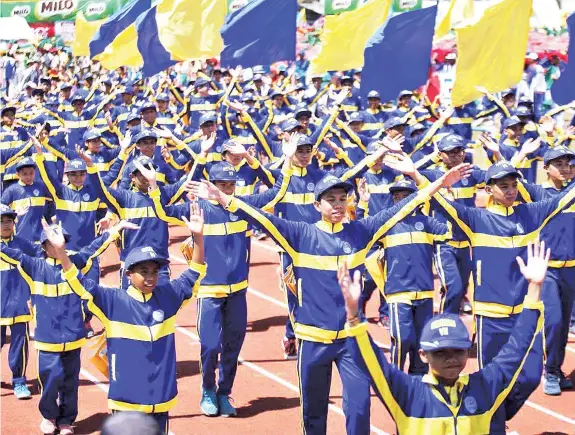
[(460, 218)]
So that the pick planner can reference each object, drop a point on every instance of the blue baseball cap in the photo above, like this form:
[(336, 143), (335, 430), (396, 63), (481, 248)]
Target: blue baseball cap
[(44, 237), (77, 97), (132, 116), (404, 184), (525, 100), (372, 147), (7, 211), (394, 121), (416, 127), (511, 122), (200, 82), (75, 165), (290, 124), (524, 111), (330, 182), (500, 170), (223, 171), (143, 254), (506, 92), (304, 140), (7, 108), (147, 105), (65, 85), (346, 79), (444, 331), (162, 97), (144, 134), (248, 96), (404, 93), (144, 161), (451, 142), (276, 93), (127, 89), (557, 152), (208, 117), (302, 110), (355, 117), (373, 94), (91, 134), (26, 162)]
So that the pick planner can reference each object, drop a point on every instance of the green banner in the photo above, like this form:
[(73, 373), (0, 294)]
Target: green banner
[(234, 5), (332, 7), (406, 5), (39, 11)]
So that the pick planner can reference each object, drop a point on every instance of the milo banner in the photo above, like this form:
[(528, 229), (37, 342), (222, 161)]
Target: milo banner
[(406, 5), (41, 11), (234, 5)]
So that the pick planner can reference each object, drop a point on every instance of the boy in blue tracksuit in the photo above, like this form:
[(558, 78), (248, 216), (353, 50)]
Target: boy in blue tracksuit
[(60, 332), (140, 323), (315, 251), (445, 400), (14, 304)]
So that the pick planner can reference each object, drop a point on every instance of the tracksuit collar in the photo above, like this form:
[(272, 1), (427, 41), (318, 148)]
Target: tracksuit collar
[(138, 295), (499, 209), (299, 172), (328, 227)]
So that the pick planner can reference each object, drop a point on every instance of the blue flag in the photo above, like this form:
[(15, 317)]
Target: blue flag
[(398, 54), (261, 33), (116, 24), (156, 57), (564, 88)]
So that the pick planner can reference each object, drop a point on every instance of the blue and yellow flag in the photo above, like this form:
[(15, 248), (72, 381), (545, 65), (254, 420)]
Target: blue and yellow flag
[(563, 89)]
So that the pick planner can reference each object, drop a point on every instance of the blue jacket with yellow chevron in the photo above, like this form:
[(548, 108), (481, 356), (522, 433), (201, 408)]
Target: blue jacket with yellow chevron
[(36, 195), (140, 337), (316, 250), (15, 294), (498, 235), (377, 184), (58, 311), (226, 236), (77, 209), (472, 406), (408, 257)]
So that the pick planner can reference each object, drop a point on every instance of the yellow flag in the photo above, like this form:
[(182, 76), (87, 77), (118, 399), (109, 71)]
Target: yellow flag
[(190, 29), (123, 51), (345, 35), (84, 32), (459, 11), (495, 65)]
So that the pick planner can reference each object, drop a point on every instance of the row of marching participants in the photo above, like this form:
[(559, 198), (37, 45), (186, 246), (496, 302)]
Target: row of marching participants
[(408, 216)]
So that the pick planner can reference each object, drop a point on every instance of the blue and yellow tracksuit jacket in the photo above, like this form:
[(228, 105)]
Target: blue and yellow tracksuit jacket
[(316, 251), (165, 174), (527, 167), (15, 294), (12, 137), (226, 239), (409, 256), (197, 106), (497, 236), (58, 311), (10, 157), (77, 209), (471, 406), (378, 183), (36, 195), (140, 331), (373, 120)]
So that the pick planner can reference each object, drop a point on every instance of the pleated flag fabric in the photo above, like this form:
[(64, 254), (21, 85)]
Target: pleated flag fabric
[(563, 89), (398, 55)]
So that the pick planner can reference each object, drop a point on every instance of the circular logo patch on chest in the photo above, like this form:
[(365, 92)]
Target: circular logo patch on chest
[(465, 181), (470, 404), (158, 316), (419, 226), (310, 187), (86, 197), (233, 217), (36, 192), (346, 248)]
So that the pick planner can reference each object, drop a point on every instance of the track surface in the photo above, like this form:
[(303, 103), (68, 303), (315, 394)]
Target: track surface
[(265, 390)]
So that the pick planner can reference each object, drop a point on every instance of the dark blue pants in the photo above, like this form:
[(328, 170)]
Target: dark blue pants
[(222, 326), (59, 375), (291, 299), (454, 268), (369, 287), (558, 293), (314, 366), (492, 334), (162, 418), (405, 325), (18, 354)]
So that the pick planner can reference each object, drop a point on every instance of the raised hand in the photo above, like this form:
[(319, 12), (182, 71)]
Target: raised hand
[(54, 235), (148, 172), (82, 153), (455, 174), (166, 153), (236, 105), (351, 290), (531, 145), (204, 190), (363, 190), (103, 224), (208, 142), (289, 147), (331, 145), (125, 144), (196, 222), (400, 162), (163, 132), (537, 260), (488, 143), (547, 123), (125, 225), (394, 144), (341, 96), (23, 210), (237, 149)]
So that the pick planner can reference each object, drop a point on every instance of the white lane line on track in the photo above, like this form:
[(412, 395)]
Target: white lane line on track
[(275, 378)]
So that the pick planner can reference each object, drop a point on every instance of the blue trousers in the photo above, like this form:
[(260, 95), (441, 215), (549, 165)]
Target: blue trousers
[(314, 367), (291, 299), (162, 418), (94, 275), (492, 334), (222, 326), (454, 268), (18, 354), (558, 294), (59, 376), (405, 325), (369, 287)]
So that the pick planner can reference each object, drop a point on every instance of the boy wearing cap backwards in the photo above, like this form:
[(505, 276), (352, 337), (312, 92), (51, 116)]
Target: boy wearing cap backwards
[(315, 250), (60, 332), (140, 322), (445, 401), (14, 306), (31, 194)]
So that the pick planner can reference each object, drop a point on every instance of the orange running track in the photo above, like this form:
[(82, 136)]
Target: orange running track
[(265, 391)]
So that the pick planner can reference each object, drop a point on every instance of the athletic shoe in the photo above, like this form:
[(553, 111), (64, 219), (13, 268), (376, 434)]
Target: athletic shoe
[(551, 385), (226, 408), (89, 330), (209, 403), (564, 382), (66, 429), (48, 427), (290, 348), (383, 322), (22, 392)]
